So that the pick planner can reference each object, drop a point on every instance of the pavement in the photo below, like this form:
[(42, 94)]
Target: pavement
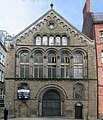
[(39, 118)]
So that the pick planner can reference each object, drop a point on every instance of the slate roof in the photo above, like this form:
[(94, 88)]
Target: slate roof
[(97, 17)]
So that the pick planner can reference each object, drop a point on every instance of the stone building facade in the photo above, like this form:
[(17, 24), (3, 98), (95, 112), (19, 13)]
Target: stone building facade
[(51, 71), (93, 28)]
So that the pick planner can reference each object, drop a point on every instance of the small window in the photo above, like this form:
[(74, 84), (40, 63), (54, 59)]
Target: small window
[(1, 76), (2, 58), (101, 36), (64, 40), (38, 40), (51, 40), (45, 40), (102, 56), (1, 94), (57, 40)]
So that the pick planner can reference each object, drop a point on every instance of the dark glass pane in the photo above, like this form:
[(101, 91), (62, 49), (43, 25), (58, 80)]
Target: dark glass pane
[(22, 71), (36, 71), (49, 71), (67, 71), (78, 71), (53, 71), (26, 71), (41, 72), (62, 72), (64, 58), (51, 58)]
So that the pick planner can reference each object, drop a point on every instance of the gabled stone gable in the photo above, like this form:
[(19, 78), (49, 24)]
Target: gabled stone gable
[(62, 26)]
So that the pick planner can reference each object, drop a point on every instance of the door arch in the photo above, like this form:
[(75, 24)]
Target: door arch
[(51, 103)]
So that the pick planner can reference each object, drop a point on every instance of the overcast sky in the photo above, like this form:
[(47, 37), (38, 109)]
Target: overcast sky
[(16, 15)]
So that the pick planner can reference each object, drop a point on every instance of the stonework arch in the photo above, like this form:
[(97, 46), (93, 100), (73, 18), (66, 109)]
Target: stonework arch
[(45, 89)]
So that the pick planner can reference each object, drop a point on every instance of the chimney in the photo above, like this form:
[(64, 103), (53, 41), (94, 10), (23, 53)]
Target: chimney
[(86, 9)]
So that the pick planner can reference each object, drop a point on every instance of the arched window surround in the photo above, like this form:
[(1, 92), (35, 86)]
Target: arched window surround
[(65, 64), (51, 39), (79, 91), (23, 66), (79, 64), (38, 64), (51, 63)]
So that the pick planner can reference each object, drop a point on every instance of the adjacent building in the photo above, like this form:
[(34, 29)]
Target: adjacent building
[(51, 71), (2, 69), (93, 28)]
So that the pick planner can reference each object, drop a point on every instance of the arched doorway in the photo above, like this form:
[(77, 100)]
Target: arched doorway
[(78, 111), (51, 103)]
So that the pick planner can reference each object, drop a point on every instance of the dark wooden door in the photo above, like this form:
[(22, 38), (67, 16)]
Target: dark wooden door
[(78, 112), (51, 104)]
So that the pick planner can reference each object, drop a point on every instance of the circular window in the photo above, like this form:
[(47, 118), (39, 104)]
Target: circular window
[(51, 24)]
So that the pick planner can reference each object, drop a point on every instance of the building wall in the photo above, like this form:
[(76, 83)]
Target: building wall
[(92, 28), (99, 47), (2, 74), (39, 86)]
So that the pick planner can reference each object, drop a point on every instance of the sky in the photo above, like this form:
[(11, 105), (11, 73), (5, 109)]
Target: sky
[(16, 15)]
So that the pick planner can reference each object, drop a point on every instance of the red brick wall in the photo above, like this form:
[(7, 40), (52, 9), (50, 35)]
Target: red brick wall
[(99, 47)]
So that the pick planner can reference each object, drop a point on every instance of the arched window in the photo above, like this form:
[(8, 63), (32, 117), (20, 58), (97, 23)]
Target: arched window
[(57, 40), (24, 56), (38, 40), (45, 40), (101, 36), (65, 68), (51, 65), (78, 91), (78, 65), (24, 64), (38, 65), (102, 56), (64, 40), (51, 40)]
